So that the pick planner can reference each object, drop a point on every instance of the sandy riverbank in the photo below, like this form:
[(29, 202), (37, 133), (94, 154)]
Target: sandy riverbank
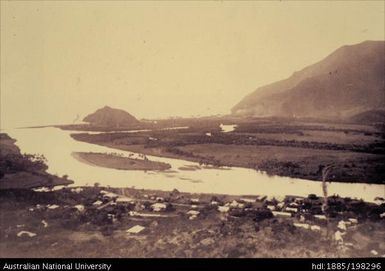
[(118, 162)]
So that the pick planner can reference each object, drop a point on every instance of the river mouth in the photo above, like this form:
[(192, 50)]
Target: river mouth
[(57, 146)]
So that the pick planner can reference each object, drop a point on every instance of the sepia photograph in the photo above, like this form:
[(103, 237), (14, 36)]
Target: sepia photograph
[(192, 129)]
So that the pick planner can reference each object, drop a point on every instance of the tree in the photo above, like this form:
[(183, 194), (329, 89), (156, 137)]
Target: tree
[(325, 172)]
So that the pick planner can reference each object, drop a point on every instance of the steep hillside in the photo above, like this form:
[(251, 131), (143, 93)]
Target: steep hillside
[(347, 82)]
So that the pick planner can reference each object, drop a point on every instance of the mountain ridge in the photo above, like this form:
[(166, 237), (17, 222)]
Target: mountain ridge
[(348, 81)]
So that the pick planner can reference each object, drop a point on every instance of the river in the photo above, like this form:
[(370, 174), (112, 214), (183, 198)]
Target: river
[(57, 146)]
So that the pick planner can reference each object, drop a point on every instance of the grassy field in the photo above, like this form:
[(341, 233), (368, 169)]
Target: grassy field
[(294, 149)]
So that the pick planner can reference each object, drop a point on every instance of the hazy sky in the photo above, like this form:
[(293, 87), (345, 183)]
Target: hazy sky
[(160, 59)]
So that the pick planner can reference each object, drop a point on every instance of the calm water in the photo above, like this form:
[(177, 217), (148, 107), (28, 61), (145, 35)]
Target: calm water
[(57, 145)]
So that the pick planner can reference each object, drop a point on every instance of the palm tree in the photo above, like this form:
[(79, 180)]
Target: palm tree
[(325, 172)]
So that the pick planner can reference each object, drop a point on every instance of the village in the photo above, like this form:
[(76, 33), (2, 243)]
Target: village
[(102, 221)]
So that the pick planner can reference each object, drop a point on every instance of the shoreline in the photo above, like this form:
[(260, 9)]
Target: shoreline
[(160, 152)]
